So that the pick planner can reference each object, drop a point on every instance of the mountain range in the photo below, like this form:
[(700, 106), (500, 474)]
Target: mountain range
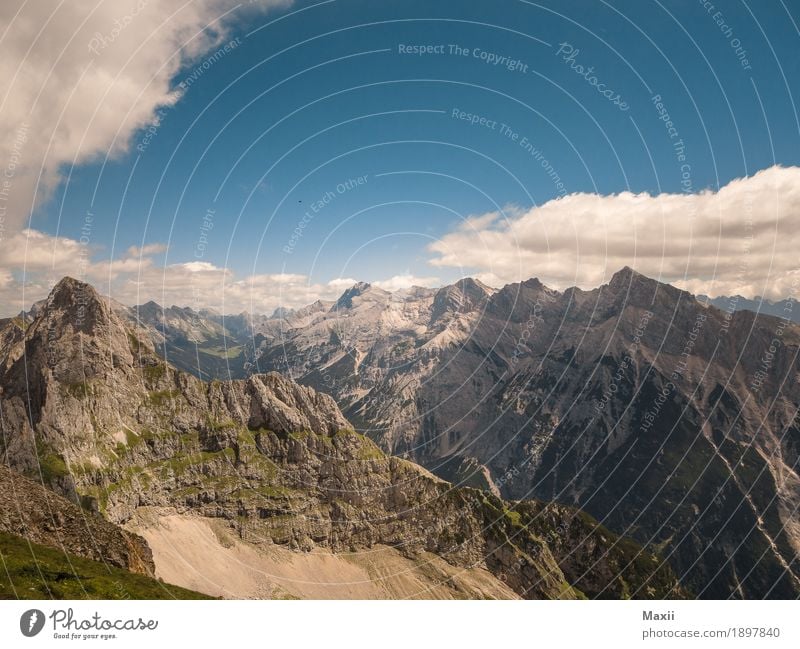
[(259, 486), (669, 419), (788, 308)]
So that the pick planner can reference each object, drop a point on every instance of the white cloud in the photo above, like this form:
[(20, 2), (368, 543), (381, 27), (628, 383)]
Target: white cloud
[(81, 77), (147, 250), (341, 284), (399, 282), (36, 251), (741, 239), (32, 262), (202, 285)]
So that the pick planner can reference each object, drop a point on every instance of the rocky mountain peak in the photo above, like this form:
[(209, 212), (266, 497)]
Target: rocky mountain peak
[(346, 299), (473, 287), (462, 297), (518, 301), (79, 303), (68, 285), (281, 313), (626, 276), (148, 311), (75, 336), (628, 287), (533, 282)]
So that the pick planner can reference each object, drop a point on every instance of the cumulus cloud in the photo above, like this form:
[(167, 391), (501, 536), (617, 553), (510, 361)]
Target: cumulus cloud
[(81, 77), (36, 251), (341, 284), (147, 251), (34, 261), (742, 239), (407, 280), (203, 285)]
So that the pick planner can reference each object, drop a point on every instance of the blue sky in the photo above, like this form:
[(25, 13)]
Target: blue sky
[(314, 95)]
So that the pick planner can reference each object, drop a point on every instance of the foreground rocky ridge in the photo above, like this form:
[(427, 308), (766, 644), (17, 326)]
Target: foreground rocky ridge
[(30, 511), (86, 401)]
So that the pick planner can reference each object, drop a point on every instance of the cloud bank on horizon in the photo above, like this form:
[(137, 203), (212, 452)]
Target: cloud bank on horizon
[(742, 239), (136, 277)]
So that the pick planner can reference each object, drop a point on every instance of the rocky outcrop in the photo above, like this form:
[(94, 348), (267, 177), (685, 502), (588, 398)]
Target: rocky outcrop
[(37, 514), (88, 406)]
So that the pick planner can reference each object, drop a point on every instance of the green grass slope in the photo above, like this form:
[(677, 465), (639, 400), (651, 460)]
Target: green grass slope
[(32, 571)]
